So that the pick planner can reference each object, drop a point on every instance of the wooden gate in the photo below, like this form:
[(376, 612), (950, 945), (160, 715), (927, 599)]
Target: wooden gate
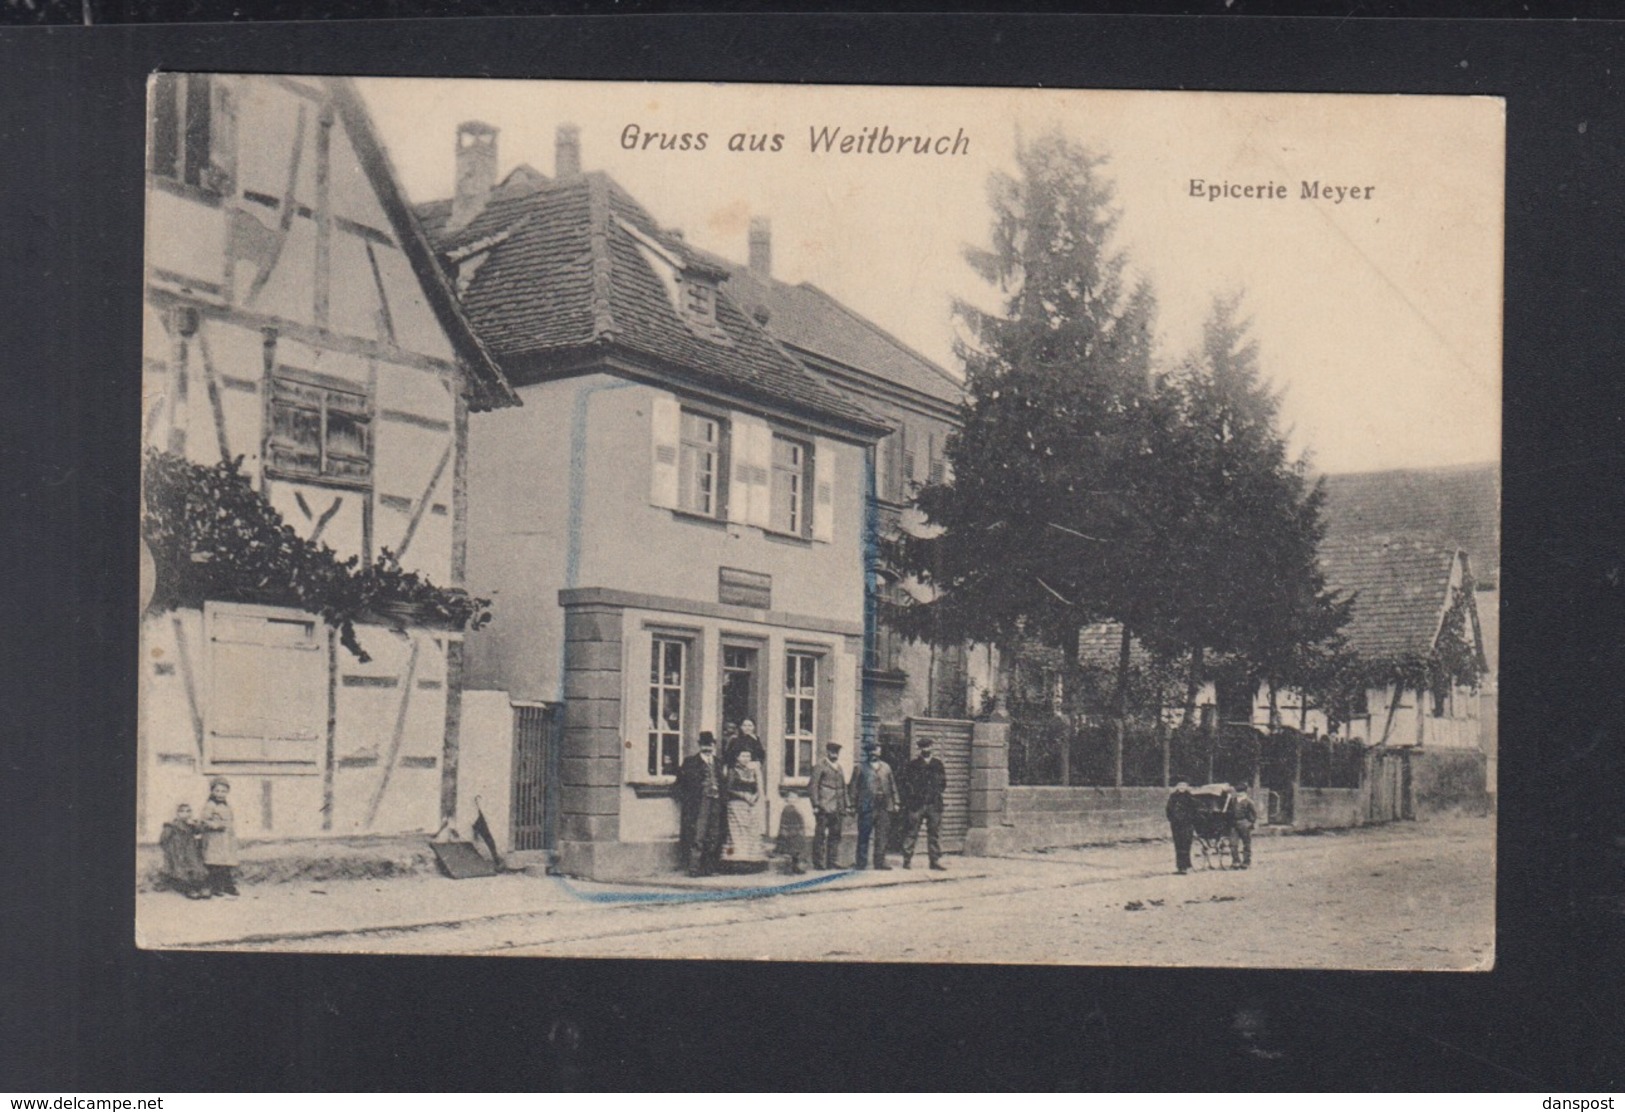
[(1388, 785), (953, 738), (535, 749)]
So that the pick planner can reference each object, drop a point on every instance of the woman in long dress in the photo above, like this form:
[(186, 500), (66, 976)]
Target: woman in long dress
[(746, 803)]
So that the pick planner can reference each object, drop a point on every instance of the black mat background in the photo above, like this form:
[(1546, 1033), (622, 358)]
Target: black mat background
[(81, 1010)]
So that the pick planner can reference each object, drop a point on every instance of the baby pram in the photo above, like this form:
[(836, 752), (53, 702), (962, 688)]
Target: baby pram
[(1215, 823)]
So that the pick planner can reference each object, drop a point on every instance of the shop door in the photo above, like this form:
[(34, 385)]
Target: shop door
[(741, 689)]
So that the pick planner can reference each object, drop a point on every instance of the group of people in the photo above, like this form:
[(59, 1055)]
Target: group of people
[(723, 805), (200, 854), (1242, 817)]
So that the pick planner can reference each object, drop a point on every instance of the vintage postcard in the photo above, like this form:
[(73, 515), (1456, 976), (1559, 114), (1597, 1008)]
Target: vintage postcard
[(820, 523)]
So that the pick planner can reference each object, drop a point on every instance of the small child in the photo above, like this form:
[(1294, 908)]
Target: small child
[(220, 840), (183, 860)]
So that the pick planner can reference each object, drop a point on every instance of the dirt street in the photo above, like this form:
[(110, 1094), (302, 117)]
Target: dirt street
[(1408, 896)]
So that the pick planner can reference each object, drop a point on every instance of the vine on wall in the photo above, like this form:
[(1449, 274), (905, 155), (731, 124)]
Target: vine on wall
[(214, 537)]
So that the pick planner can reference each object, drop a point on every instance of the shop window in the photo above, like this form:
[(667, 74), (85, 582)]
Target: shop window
[(700, 464), (791, 467), (668, 676), (800, 714), (319, 431)]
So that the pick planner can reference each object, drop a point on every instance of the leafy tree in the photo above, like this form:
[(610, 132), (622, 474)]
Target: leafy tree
[(1023, 538), (1247, 580)]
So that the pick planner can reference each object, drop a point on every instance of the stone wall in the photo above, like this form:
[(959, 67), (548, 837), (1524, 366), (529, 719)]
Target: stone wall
[(1035, 817), (1328, 808)]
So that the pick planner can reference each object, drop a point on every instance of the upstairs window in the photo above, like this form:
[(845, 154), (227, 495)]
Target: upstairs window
[(192, 131), (791, 460), (319, 431), (700, 464)]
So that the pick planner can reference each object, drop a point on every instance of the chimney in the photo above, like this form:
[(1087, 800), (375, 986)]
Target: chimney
[(761, 247), (567, 152), (476, 171)]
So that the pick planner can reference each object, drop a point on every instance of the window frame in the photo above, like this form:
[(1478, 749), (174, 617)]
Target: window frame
[(792, 770), (654, 737), (294, 380), (798, 522), (699, 299), (185, 137), (721, 461)]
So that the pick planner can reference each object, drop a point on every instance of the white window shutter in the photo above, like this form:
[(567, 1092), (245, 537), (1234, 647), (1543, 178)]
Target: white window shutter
[(740, 492), (823, 512), (665, 419), (761, 473)]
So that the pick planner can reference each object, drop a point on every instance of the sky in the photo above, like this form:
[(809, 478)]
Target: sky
[(1378, 316)]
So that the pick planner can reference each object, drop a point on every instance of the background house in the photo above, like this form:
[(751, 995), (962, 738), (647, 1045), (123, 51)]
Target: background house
[(672, 526), (295, 318), (1454, 507)]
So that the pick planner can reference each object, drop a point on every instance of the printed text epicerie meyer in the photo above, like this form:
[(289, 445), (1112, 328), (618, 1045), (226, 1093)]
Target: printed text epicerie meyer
[(1279, 191), (878, 140)]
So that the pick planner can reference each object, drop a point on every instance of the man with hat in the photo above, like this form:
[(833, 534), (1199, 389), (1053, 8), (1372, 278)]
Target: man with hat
[(699, 795), (826, 789), (923, 785), (1246, 817), (1181, 812)]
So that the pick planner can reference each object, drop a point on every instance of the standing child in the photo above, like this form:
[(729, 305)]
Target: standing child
[(183, 861), (220, 839)]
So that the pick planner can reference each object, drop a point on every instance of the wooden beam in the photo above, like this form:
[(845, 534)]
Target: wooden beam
[(305, 333), (398, 736), (330, 750), (285, 220), (211, 382), (423, 502), (322, 286), (1393, 707), (190, 685)]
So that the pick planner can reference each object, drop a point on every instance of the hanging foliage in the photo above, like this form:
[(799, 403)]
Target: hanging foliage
[(213, 537)]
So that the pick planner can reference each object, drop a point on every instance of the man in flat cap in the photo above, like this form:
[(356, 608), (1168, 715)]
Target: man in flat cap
[(827, 791), (923, 785)]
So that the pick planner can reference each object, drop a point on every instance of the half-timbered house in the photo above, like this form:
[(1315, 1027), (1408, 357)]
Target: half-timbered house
[(295, 318)]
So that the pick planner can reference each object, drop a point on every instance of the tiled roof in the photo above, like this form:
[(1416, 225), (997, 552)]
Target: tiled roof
[(805, 317), (567, 273), (1458, 507), (1099, 645), (1400, 587)]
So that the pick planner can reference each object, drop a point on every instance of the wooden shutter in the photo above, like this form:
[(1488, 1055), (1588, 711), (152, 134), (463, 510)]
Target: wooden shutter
[(823, 508), (761, 457), (665, 419), (223, 136), (267, 706), (741, 489)]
